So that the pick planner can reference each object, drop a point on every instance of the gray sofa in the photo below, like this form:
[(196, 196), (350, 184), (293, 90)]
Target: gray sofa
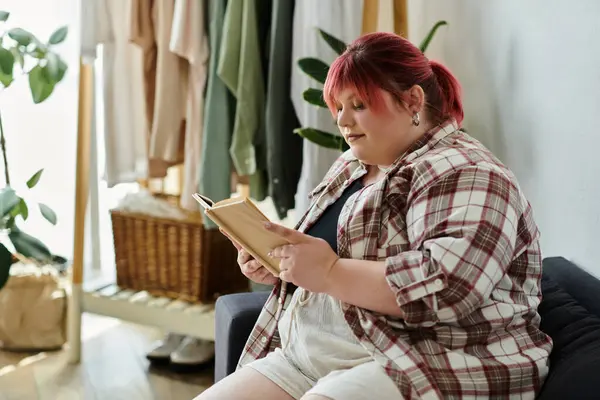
[(570, 312)]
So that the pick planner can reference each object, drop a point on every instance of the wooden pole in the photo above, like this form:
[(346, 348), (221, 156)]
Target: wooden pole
[(401, 18), (374, 21), (82, 173), (370, 16)]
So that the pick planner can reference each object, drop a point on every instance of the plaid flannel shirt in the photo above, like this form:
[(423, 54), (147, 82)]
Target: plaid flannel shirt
[(462, 256)]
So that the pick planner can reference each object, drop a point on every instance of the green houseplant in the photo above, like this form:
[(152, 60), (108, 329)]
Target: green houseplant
[(318, 70), (22, 54)]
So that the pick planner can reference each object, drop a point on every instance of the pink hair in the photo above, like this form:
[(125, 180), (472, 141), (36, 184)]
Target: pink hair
[(385, 61)]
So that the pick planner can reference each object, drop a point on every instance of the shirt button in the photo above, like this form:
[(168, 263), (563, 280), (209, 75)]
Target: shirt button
[(263, 339), (438, 282), (276, 181)]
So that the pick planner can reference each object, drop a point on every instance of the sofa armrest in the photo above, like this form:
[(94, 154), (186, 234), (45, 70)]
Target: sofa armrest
[(235, 316), (580, 284)]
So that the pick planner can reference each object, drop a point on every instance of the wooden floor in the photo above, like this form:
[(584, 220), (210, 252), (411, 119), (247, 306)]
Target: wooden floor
[(113, 367)]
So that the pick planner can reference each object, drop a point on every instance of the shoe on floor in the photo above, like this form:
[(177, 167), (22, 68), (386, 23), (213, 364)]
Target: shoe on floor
[(162, 349), (193, 352)]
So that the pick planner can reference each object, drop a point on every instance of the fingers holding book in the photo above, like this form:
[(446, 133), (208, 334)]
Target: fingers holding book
[(243, 257), (250, 267), (305, 261), (254, 270)]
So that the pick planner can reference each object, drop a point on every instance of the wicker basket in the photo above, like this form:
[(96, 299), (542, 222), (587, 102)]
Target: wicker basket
[(174, 258)]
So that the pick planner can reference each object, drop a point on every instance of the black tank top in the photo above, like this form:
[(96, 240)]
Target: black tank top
[(326, 226)]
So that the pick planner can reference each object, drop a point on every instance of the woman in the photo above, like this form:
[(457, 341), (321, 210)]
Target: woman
[(416, 270)]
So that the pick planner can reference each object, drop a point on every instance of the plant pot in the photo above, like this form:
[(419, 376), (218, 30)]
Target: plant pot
[(33, 309)]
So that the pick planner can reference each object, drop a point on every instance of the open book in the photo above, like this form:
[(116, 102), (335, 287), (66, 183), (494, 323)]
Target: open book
[(244, 223)]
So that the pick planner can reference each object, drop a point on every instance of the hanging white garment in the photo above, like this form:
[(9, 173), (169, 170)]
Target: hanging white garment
[(190, 41), (343, 19), (95, 28), (105, 22)]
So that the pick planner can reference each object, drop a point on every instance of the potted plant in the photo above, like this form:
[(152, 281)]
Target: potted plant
[(22, 54), (317, 69)]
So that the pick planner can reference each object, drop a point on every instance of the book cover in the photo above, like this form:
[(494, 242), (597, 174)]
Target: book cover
[(243, 221)]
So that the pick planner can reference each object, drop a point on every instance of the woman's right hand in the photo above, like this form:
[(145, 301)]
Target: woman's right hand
[(250, 267)]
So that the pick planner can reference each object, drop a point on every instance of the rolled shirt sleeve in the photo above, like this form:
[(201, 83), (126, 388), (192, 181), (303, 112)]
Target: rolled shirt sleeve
[(462, 229)]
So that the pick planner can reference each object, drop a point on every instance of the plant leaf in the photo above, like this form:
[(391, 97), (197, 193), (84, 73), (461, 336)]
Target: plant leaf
[(314, 68), (5, 80), (15, 212), (314, 97), (3, 18), (40, 84), (35, 178), (5, 264), (336, 44), (56, 259), (62, 70), (39, 52), (8, 201), (21, 36), (425, 43), (56, 67), (48, 213), (18, 56), (23, 209), (29, 246), (324, 139), (59, 35), (7, 62)]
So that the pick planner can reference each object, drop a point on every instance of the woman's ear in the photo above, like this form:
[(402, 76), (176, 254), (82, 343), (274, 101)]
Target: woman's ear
[(415, 99)]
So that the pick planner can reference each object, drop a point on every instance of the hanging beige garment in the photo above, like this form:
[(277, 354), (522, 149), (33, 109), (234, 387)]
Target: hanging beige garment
[(141, 32), (189, 40), (165, 80)]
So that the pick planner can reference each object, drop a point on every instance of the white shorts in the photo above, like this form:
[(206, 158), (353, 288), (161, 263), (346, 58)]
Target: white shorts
[(364, 382)]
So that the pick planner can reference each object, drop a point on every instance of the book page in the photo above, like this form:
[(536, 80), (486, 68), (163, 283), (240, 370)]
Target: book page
[(234, 199), (204, 201)]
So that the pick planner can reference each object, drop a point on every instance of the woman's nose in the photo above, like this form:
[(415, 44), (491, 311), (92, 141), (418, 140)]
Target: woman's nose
[(345, 119)]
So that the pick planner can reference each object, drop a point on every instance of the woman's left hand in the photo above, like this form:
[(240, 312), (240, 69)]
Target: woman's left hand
[(306, 261)]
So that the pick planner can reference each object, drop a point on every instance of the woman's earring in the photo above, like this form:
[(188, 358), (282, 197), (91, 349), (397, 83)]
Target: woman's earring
[(416, 120)]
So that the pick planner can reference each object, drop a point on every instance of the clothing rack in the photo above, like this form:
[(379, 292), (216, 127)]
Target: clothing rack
[(109, 300)]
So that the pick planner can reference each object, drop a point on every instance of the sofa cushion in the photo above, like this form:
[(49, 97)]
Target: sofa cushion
[(575, 358), (235, 316)]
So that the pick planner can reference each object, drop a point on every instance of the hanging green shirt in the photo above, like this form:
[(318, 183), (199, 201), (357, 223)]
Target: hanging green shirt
[(219, 109), (240, 68)]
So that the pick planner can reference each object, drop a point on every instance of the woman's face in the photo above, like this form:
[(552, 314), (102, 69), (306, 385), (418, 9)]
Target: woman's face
[(375, 138)]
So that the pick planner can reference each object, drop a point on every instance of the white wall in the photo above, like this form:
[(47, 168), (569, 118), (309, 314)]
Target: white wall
[(531, 78)]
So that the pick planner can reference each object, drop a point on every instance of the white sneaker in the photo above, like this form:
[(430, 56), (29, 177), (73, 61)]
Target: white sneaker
[(193, 352), (163, 349)]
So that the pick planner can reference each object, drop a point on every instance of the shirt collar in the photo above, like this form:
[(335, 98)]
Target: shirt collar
[(429, 140)]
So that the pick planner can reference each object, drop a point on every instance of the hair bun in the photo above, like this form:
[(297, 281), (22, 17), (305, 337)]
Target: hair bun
[(450, 90)]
